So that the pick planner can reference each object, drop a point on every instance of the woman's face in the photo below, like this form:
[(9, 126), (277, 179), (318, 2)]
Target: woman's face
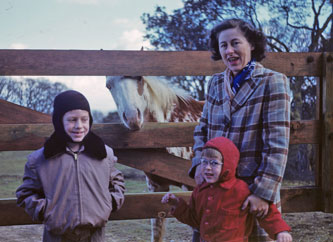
[(235, 50)]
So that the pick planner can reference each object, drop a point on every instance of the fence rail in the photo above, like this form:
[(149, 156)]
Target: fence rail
[(144, 63), (156, 135)]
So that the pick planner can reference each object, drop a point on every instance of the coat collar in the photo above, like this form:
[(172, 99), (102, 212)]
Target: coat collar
[(93, 146), (247, 88), (230, 102)]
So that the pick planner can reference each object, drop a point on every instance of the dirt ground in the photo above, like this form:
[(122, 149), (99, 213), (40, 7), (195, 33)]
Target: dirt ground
[(306, 227)]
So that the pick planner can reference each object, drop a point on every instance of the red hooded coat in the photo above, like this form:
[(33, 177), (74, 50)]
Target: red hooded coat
[(216, 208)]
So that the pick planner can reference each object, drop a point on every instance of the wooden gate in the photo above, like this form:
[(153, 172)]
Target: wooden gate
[(24, 129)]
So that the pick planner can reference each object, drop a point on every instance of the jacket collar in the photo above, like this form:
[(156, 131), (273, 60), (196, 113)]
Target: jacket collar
[(230, 102), (93, 145)]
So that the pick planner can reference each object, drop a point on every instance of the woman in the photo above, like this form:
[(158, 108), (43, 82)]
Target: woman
[(250, 105)]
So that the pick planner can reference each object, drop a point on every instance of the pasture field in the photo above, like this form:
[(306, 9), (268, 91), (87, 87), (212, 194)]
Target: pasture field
[(306, 227)]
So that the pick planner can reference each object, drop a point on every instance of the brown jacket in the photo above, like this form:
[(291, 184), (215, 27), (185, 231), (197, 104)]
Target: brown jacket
[(70, 190)]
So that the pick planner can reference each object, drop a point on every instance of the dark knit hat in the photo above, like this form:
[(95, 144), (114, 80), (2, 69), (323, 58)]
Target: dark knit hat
[(63, 103)]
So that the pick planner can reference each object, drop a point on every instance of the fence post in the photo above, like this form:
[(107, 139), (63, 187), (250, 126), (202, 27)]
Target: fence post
[(327, 142)]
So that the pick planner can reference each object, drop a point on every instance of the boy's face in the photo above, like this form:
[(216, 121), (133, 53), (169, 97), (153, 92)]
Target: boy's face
[(211, 165), (76, 124)]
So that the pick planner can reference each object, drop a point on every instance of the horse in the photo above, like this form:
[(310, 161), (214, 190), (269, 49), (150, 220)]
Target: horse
[(141, 99)]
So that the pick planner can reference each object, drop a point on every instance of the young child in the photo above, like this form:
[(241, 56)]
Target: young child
[(71, 184), (215, 205)]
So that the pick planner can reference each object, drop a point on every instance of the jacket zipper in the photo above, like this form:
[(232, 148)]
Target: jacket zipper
[(78, 185)]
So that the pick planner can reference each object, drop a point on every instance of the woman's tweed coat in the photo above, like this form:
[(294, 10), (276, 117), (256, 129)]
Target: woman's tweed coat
[(257, 120)]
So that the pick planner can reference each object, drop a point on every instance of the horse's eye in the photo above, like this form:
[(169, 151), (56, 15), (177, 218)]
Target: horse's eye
[(108, 85)]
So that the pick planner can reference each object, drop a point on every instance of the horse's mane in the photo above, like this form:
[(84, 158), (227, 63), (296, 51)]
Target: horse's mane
[(163, 95)]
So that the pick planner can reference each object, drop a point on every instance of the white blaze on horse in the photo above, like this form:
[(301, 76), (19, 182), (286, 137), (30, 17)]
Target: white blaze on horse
[(142, 99)]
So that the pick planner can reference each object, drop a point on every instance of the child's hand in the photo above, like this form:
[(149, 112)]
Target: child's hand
[(284, 237), (170, 198)]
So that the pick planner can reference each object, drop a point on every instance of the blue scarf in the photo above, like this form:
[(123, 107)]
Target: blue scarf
[(244, 75)]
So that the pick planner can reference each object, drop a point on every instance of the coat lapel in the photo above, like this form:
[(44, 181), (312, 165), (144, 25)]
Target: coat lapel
[(247, 88), (224, 96)]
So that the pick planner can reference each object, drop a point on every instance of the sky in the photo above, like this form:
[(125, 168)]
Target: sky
[(78, 24)]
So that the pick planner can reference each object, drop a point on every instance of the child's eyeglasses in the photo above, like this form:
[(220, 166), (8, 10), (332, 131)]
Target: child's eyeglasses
[(212, 163)]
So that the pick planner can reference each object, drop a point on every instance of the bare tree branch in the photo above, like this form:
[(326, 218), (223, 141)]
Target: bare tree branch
[(278, 41), (321, 6), (286, 9)]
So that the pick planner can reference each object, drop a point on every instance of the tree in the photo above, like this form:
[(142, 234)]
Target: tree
[(112, 117), (98, 116), (37, 94), (9, 89)]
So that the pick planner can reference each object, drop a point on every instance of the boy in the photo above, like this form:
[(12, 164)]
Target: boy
[(215, 205), (71, 184)]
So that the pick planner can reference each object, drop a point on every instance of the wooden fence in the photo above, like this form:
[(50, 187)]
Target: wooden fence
[(24, 129)]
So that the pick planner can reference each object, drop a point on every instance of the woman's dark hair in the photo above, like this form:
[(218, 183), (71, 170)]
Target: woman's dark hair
[(255, 37)]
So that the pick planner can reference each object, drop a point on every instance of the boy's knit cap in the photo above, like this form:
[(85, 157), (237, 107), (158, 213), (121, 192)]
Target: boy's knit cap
[(65, 102)]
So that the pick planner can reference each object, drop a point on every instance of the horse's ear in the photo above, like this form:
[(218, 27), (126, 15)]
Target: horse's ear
[(141, 48)]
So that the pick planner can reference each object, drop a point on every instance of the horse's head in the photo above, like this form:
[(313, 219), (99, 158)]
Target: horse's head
[(151, 99), (128, 94)]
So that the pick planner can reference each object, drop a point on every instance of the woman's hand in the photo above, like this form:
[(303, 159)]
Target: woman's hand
[(284, 237), (198, 177), (258, 206), (171, 199)]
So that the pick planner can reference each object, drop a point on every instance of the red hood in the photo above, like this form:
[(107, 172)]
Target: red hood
[(230, 155)]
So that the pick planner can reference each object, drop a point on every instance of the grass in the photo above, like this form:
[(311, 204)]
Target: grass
[(11, 171), (12, 163)]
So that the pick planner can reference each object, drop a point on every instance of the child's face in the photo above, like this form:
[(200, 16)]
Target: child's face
[(211, 165), (76, 124)]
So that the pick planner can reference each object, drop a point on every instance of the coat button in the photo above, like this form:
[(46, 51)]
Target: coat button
[(210, 198), (206, 223), (207, 210)]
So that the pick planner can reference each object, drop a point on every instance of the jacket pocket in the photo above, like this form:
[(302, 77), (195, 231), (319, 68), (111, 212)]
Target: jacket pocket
[(229, 219)]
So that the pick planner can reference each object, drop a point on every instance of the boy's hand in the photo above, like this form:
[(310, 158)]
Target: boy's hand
[(171, 199), (258, 206), (284, 237)]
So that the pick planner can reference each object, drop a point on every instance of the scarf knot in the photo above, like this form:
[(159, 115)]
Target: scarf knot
[(244, 75)]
